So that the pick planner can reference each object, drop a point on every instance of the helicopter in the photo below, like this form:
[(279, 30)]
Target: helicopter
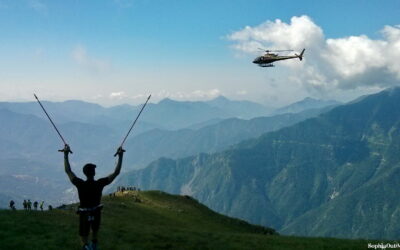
[(268, 58)]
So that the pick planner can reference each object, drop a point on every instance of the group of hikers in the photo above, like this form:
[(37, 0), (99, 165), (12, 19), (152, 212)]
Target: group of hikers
[(27, 204), (129, 188)]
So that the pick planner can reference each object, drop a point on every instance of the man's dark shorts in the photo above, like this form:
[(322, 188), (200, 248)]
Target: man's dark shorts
[(89, 220)]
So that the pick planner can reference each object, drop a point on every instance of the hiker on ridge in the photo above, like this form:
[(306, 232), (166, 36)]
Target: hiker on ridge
[(12, 205), (35, 205), (90, 192)]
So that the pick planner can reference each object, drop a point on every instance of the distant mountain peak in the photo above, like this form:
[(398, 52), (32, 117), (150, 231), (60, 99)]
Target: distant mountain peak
[(166, 101), (309, 99), (306, 103)]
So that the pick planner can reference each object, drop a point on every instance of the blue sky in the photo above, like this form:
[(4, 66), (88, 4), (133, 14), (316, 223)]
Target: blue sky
[(116, 51)]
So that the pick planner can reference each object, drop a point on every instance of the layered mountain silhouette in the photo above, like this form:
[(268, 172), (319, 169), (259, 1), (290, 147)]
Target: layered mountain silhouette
[(306, 103), (29, 144), (166, 114), (207, 139), (335, 175)]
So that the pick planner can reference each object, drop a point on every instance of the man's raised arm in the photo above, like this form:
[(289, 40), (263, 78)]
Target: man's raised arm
[(67, 166), (120, 153)]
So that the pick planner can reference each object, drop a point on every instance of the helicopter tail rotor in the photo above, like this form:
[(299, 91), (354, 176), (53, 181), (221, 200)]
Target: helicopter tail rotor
[(301, 54)]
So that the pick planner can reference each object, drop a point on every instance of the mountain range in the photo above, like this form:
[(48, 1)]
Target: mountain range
[(166, 114), (29, 144), (156, 143), (305, 104), (334, 175)]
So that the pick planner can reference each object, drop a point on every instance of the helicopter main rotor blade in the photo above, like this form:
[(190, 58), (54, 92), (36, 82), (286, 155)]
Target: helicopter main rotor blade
[(275, 50), (281, 50)]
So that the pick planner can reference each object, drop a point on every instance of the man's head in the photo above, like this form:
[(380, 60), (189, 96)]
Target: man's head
[(89, 170)]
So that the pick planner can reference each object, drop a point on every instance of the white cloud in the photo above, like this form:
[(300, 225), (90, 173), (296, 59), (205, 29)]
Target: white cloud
[(204, 94), (118, 95), (301, 32), (139, 96), (193, 95), (38, 6), (353, 62), (81, 57), (177, 95)]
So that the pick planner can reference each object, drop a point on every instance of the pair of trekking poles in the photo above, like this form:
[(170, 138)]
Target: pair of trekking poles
[(65, 143)]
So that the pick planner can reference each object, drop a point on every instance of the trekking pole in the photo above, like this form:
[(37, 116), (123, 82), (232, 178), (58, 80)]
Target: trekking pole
[(62, 138), (133, 124)]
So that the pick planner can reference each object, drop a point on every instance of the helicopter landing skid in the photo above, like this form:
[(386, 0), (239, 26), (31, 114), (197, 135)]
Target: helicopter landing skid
[(265, 65)]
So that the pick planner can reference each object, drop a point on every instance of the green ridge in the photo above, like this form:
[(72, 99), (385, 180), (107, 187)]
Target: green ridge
[(151, 220)]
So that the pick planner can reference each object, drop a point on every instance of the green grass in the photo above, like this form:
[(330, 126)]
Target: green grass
[(158, 221)]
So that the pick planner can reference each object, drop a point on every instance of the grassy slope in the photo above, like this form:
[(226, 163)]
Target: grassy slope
[(159, 221)]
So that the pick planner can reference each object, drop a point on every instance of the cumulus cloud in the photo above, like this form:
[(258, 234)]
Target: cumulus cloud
[(344, 63), (118, 95), (81, 57), (301, 32)]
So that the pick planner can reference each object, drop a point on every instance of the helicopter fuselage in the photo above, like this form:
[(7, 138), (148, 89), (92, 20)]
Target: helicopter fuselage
[(267, 59)]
